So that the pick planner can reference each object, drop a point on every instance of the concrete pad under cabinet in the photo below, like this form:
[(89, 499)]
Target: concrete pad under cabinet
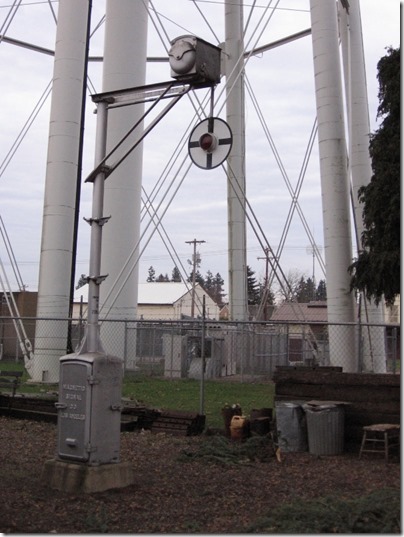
[(79, 477)]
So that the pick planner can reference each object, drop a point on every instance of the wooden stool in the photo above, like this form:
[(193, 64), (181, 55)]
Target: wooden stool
[(381, 437)]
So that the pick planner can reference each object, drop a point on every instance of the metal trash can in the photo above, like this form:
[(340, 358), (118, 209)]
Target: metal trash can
[(325, 429), (291, 426)]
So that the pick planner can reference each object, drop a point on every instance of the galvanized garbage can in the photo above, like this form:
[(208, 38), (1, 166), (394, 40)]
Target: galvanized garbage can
[(291, 426), (325, 429)]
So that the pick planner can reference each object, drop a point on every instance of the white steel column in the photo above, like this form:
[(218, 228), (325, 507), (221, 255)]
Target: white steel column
[(60, 189), (334, 182), (125, 54), (374, 357), (236, 182)]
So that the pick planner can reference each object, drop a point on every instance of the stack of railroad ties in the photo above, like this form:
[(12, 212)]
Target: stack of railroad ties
[(133, 416), (176, 422)]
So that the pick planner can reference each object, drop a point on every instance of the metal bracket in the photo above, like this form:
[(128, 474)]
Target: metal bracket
[(100, 221), (103, 168), (97, 279), (165, 91), (148, 93)]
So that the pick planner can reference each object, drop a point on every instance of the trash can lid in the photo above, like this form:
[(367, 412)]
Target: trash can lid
[(318, 408), (289, 404), (314, 402)]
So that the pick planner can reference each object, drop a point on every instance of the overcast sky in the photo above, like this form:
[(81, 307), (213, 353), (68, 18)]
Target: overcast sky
[(280, 89)]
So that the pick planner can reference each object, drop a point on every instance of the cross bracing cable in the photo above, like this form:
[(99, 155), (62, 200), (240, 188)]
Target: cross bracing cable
[(174, 158), (177, 152), (25, 343), (275, 265), (155, 192), (206, 21), (9, 18), (157, 15), (11, 256), (28, 124), (132, 268), (53, 11), (294, 193), (247, 24)]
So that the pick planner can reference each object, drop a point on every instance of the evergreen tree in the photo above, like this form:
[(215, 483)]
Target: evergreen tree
[(218, 292), (303, 291), (176, 275), (377, 268), (253, 288), (289, 290), (198, 278), (213, 285), (163, 278), (321, 291), (208, 283), (152, 275), (306, 291)]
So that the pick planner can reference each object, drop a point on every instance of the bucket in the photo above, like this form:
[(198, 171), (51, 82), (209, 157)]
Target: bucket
[(261, 413), (238, 428), (261, 426), (260, 419)]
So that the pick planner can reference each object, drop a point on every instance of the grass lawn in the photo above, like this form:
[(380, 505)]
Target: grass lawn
[(184, 394), (179, 394)]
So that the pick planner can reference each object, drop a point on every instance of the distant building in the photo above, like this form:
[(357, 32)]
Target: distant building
[(173, 300), (299, 312), (307, 323), (161, 301), (25, 302)]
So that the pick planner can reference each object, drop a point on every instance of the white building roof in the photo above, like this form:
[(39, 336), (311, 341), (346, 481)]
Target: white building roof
[(150, 292), (162, 292)]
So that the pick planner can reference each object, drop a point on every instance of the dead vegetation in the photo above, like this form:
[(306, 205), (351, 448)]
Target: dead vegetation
[(201, 484)]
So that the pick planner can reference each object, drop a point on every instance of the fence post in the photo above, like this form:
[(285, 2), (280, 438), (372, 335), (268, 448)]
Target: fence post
[(202, 386), (360, 346), (125, 346), (394, 348)]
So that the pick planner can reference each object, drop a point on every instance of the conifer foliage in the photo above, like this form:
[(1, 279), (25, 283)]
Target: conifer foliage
[(377, 268)]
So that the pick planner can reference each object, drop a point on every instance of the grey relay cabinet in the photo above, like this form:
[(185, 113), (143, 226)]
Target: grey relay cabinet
[(89, 408)]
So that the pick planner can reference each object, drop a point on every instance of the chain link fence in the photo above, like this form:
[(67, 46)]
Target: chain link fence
[(178, 349)]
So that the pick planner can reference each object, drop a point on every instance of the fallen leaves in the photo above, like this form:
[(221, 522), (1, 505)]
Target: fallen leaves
[(169, 495)]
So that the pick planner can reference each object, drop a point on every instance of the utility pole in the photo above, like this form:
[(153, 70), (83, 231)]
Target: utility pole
[(194, 264), (264, 298)]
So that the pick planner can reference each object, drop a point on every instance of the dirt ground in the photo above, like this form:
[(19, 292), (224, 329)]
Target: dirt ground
[(170, 495)]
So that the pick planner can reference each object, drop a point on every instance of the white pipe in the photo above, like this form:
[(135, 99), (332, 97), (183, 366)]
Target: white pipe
[(236, 182), (374, 357), (60, 189), (125, 56), (334, 181)]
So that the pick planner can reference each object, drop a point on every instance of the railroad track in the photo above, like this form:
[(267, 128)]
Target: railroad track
[(133, 417)]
